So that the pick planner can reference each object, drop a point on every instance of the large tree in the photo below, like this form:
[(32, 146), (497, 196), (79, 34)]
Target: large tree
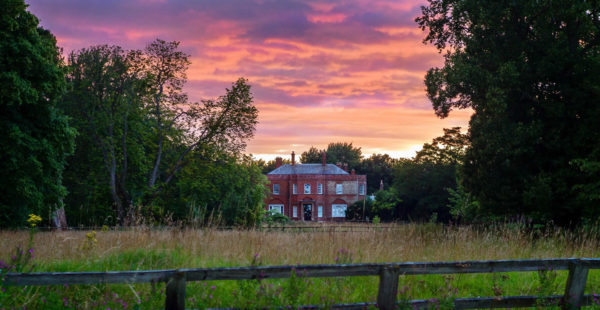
[(337, 152), (139, 127), (378, 168), (530, 70), (105, 102), (35, 137)]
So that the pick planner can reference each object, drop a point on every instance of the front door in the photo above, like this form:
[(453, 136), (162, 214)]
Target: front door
[(307, 212)]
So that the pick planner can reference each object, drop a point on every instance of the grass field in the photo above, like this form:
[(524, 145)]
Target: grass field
[(142, 249)]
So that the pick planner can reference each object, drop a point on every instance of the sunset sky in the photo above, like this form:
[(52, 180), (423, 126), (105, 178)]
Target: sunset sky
[(321, 71)]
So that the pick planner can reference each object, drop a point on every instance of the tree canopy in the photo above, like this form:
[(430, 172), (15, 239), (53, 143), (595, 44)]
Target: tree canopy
[(337, 152), (36, 137), (531, 73), (139, 131)]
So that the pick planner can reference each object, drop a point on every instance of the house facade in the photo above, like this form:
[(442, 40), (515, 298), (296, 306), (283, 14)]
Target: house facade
[(313, 192)]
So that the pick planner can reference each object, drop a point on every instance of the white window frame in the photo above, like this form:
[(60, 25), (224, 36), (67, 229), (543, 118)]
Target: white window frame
[(275, 189), (320, 189), (278, 208), (361, 189), (338, 210), (295, 211), (339, 189), (294, 189), (320, 211), (307, 188)]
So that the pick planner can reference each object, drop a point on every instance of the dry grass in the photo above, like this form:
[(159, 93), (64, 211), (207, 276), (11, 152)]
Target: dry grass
[(390, 243)]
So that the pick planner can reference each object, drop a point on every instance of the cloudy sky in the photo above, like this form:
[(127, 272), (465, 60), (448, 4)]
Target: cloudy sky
[(321, 71)]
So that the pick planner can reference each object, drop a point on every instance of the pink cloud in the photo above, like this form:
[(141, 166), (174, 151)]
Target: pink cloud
[(321, 71)]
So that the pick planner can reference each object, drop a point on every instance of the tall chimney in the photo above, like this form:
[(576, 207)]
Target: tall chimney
[(346, 167), (278, 162), (293, 158), (324, 159), (381, 185), (353, 171)]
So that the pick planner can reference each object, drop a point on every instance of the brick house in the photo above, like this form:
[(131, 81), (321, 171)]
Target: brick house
[(313, 192)]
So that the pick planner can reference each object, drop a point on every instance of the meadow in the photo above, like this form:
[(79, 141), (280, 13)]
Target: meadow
[(146, 248)]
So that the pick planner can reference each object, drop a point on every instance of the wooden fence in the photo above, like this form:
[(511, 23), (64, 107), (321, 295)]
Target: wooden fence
[(388, 274)]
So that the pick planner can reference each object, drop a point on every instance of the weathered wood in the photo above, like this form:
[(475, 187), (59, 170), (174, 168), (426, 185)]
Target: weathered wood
[(60, 278), (575, 285), (388, 288), (274, 272), (175, 299)]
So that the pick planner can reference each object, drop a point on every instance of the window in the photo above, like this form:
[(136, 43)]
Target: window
[(295, 210), (276, 208), (307, 188), (320, 211), (338, 189), (275, 189), (361, 189), (338, 210), (319, 188), (294, 189)]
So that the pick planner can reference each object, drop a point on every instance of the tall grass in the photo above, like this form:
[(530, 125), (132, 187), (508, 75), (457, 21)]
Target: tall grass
[(144, 248), (391, 243)]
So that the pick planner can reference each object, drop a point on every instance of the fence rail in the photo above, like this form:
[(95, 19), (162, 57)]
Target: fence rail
[(388, 274)]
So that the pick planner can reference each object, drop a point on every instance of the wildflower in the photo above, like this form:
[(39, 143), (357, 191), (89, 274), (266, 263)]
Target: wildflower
[(33, 220)]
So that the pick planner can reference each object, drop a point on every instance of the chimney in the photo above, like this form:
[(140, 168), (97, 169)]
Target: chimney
[(278, 162), (353, 172), (381, 185), (324, 159), (293, 158), (346, 167), (339, 164)]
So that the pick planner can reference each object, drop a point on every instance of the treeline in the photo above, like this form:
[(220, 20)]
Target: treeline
[(422, 188), (110, 135)]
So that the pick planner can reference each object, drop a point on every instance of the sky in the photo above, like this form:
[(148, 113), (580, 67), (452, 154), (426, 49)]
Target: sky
[(321, 71)]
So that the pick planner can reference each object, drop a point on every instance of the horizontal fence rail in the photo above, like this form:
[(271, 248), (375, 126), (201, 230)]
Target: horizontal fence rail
[(388, 274)]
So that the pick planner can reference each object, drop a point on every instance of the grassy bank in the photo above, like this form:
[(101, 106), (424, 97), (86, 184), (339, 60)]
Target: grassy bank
[(162, 249)]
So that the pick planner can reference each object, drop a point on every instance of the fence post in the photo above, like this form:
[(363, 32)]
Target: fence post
[(575, 285), (176, 292), (388, 288)]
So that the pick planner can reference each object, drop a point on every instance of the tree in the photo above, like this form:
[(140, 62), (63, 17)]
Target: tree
[(36, 137), (422, 187), (345, 153), (378, 168), (313, 155), (141, 129), (106, 88), (225, 188), (338, 152), (447, 149), (530, 71), (269, 166), (225, 123)]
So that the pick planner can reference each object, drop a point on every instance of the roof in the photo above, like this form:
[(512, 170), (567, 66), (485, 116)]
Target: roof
[(308, 169)]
